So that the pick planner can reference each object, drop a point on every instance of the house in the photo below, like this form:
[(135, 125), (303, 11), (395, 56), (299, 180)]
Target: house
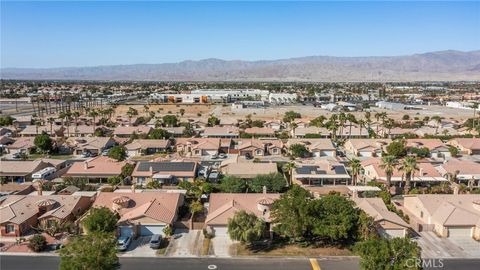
[(427, 173), (21, 171), (175, 131), (164, 172), (69, 190), (276, 125), (467, 146), (80, 130), (22, 121), (257, 148), (140, 147), (260, 132), (142, 214), (318, 147), (249, 170), (320, 173), (128, 131), (424, 131), (221, 132), (22, 144), (387, 223), (197, 147), (436, 147), (19, 213), (351, 130), (306, 132), (94, 145), (448, 215), (395, 132), (462, 170), (96, 169), (223, 206), (33, 130), (366, 147)]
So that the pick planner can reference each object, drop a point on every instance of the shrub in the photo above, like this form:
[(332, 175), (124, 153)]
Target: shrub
[(168, 230), (37, 243)]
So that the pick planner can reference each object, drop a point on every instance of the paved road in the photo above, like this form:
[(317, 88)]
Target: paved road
[(48, 263)]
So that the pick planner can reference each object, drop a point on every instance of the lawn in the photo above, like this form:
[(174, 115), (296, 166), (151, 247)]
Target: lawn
[(289, 250)]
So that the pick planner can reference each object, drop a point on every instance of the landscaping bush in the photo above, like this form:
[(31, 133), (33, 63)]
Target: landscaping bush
[(37, 243)]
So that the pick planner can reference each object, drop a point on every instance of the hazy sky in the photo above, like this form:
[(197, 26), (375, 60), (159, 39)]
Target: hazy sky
[(59, 34)]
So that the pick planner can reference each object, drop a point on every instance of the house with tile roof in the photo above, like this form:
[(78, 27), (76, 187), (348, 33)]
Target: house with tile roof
[(448, 215), (463, 170), (317, 147), (256, 148), (142, 214), (221, 132), (387, 223), (97, 169), (141, 147), (197, 147), (320, 173), (260, 132), (164, 172), (467, 146), (366, 147), (427, 174), (19, 213), (21, 171), (223, 206), (127, 131), (437, 148), (94, 145)]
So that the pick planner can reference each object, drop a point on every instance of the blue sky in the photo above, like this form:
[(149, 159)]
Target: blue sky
[(59, 34)]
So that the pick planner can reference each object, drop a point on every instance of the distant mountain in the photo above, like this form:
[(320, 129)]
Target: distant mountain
[(433, 66)]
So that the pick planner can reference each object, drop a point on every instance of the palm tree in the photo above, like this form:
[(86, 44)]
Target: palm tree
[(76, 115), (289, 167), (409, 167), (293, 126), (377, 117), (131, 113), (389, 165), (146, 110), (195, 207), (51, 120), (355, 167), (93, 113), (438, 121), (351, 118)]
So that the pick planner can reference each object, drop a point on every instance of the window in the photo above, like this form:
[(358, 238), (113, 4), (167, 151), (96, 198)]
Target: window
[(275, 150), (51, 223), (9, 228), (259, 152)]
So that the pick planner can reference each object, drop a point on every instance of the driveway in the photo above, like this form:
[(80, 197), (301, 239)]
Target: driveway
[(139, 247), (189, 244), (436, 247), (221, 245)]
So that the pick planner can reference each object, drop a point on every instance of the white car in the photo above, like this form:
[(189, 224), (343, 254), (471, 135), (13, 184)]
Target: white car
[(123, 242)]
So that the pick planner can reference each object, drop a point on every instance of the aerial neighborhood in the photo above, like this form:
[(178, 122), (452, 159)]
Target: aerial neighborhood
[(198, 170)]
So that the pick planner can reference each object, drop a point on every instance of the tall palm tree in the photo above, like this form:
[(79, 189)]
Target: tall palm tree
[(76, 115), (377, 117), (389, 165), (51, 120), (351, 118), (293, 126), (355, 167), (289, 167), (409, 167), (438, 121), (93, 113)]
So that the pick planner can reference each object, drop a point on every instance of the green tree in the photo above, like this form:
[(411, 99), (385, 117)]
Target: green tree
[(232, 184), (409, 167), (115, 180), (274, 182), (213, 121), (420, 152), (355, 167), (290, 213), (127, 170), (333, 218), (389, 165), (158, 134), (245, 227), (37, 243), (290, 116), (6, 120), (298, 150), (92, 251), (118, 153), (397, 149), (170, 120), (154, 185), (100, 220), (43, 142), (394, 254), (453, 151)]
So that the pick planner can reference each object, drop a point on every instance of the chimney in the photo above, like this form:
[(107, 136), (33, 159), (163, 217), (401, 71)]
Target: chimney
[(133, 188), (151, 170), (455, 189), (85, 165), (421, 171), (264, 190)]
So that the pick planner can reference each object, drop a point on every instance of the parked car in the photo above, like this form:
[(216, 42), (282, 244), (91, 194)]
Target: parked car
[(105, 152), (155, 241), (16, 156), (123, 242), (222, 155), (214, 156), (85, 155)]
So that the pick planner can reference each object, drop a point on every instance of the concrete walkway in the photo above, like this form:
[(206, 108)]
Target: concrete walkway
[(221, 246)]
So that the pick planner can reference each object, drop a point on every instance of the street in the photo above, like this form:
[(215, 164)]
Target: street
[(48, 263)]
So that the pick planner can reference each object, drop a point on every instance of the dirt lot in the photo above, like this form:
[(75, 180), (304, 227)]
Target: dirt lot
[(292, 250)]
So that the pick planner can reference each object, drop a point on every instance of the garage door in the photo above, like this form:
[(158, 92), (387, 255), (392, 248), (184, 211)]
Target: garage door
[(395, 233), (220, 230), (126, 230), (459, 232), (146, 230)]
